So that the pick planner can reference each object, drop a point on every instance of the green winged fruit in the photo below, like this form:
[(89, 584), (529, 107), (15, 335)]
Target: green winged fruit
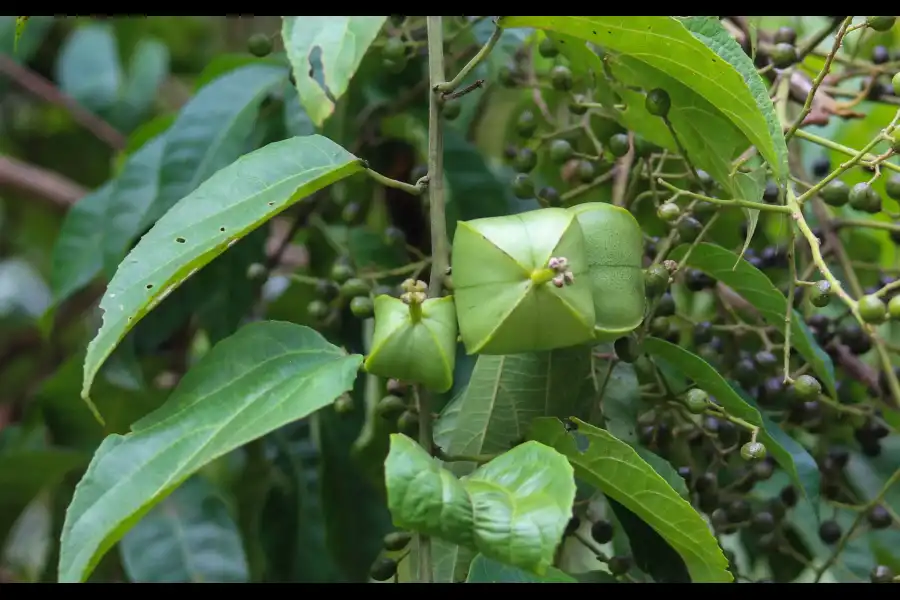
[(414, 338), (614, 247), (521, 283)]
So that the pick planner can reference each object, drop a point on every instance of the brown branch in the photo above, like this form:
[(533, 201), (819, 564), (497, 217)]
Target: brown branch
[(39, 182), (43, 88)]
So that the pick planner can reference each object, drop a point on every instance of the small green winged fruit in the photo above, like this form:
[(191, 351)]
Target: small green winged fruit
[(415, 338), (517, 282), (547, 279)]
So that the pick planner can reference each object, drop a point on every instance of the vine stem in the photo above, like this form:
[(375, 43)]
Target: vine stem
[(445, 87), (439, 243), (867, 159)]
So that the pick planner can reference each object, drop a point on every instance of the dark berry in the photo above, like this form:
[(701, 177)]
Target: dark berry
[(602, 532), (829, 532), (821, 166), (879, 517)]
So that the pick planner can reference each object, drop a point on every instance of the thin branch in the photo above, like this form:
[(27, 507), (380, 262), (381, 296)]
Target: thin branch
[(866, 160), (39, 182), (415, 190), (450, 86), (44, 89)]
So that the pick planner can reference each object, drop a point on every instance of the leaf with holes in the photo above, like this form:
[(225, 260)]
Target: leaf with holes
[(338, 44), (189, 537), (513, 509), (751, 283), (204, 224), (719, 108), (212, 131), (266, 375), (789, 455), (613, 467)]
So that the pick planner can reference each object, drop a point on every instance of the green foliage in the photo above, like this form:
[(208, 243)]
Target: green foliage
[(627, 281)]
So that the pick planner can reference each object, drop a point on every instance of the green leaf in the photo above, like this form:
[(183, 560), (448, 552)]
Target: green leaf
[(750, 187), (341, 43), (716, 110), (613, 467), (503, 396), (226, 207), (148, 67), (513, 509), (266, 375), (78, 253), (710, 31), (485, 570), (21, 22), (211, 131), (751, 283), (88, 67), (189, 537), (133, 194), (225, 63), (786, 452), (621, 402), (651, 553), (25, 473)]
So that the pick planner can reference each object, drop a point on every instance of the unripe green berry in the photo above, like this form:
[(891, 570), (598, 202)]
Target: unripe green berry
[(394, 236), (627, 349), (753, 451), (396, 540), (836, 193), (408, 423), (656, 280), (618, 144), (341, 272), (526, 124), (575, 105), (658, 102), (383, 569), (872, 309), (668, 212), (354, 287), (257, 271), (317, 310), (362, 307), (523, 186), (548, 48), (561, 78), (688, 229), (560, 151), (586, 171), (696, 400), (525, 160), (785, 35), (864, 197), (390, 406), (343, 404), (259, 44), (881, 23), (783, 55), (892, 187), (807, 387), (394, 49), (894, 308), (895, 83), (820, 294)]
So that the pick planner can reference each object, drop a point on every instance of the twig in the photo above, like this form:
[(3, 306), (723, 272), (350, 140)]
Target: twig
[(415, 190), (734, 202), (44, 89), (449, 86), (40, 182), (807, 106)]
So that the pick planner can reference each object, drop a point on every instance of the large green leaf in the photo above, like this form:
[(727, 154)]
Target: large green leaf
[(513, 509), (88, 67), (341, 43), (212, 130), (226, 207), (613, 467), (787, 453), (751, 283), (266, 375), (719, 103), (503, 396), (485, 570), (78, 253), (189, 537), (147, 68), (133, 194)]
